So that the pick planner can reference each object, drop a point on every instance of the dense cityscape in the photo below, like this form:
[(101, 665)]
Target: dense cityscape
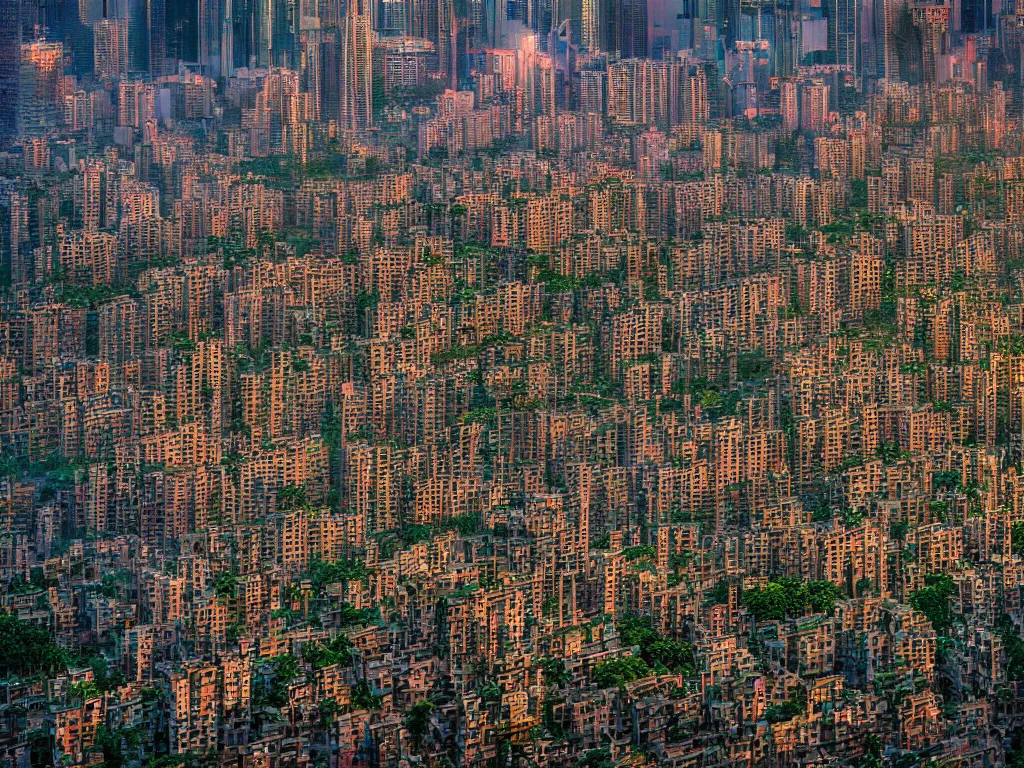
[(508, 383)]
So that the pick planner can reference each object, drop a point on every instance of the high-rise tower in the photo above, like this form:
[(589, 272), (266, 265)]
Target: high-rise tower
[(846, 27), (356, 67), (42, 67), (147, 36), (632, 22), (110, 48), (447, 41), (10, 67), (975, 15)]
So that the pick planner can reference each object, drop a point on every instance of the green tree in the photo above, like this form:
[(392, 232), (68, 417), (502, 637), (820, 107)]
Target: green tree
[(615, 672), (596, 758), (933, 600), (291, 497), (225, 585), (659, 653), (321, 573), (112, 743), (417, 720), (1017, 538), (822, 596), (777, 600), (363, 697), (720, 594), (336, 651), (29, 650), (555, 673), (282, 673), (790, 598), (1013, 648), (898, 530), (328, 709), (349, 616)]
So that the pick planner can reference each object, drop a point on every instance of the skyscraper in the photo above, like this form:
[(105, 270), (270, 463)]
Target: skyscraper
[(392, 17), (590, 25), (10, 67), (893, 23), (210, 13), (789, 106), (356, 67), (242, 32), (40, 98), (157, 37), (975, 15), (784, 26), (731, 28), (110, 48), (846, 17), (932, 24), (147, 33), (632, 36), (283, 32), (447, 41), (252, 33), (182, 30), (608, 25)]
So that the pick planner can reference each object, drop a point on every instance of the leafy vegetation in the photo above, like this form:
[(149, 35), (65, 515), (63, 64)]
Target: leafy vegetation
[(642, 552), (1017, 538), (29, 650), (1013, 647), (276, 677), (225, 585), (417, 719), (291, 497), (790, 598), (660, 653), (336, 651), (555, 672), (933, 600), (321, 573), (616, 672), (364, 698), (790, 708)]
